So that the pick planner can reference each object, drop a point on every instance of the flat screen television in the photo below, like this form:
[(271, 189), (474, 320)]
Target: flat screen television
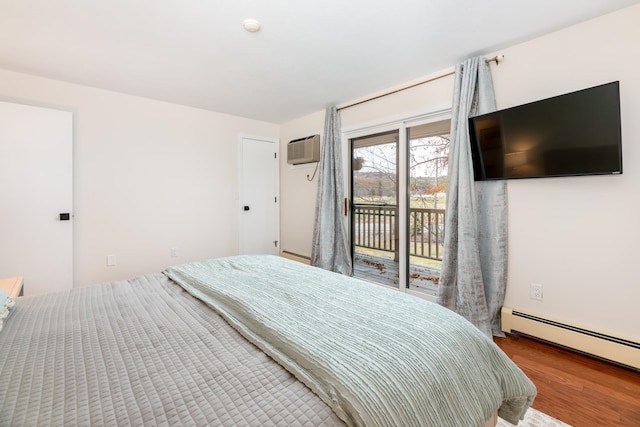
[(573, 134)]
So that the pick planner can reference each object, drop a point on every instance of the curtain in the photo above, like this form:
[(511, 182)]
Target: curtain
[(474, 268), (330, 247)]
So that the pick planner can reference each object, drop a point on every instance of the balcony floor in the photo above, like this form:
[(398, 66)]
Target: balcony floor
[(385, 271)]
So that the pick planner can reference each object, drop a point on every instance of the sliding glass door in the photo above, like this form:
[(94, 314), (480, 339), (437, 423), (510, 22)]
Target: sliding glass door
[(428, 151), (398, 197), (375, 207)]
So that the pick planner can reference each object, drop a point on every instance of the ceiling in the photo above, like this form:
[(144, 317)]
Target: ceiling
[(309, 53)]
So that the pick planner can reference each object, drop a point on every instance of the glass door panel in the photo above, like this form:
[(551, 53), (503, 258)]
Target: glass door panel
[(377, 244), (374, 196), (428, 151)]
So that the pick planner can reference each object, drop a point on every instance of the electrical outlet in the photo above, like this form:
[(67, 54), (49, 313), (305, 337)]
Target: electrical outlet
[(174, 252), (536, 291), (111, 260)]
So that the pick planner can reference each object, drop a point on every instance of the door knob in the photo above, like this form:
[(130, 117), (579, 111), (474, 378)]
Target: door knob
[(246, 208)]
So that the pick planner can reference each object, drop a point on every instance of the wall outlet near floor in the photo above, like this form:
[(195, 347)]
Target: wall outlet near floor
[(174, 252), (536, 291), (111, 260)]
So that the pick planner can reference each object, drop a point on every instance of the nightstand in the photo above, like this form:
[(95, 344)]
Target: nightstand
[(12, 286)]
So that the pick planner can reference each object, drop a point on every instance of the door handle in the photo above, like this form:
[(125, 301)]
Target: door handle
[(64, 216), (246, 208)]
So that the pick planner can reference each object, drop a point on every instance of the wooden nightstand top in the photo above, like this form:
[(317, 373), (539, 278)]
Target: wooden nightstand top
[(12, 286)]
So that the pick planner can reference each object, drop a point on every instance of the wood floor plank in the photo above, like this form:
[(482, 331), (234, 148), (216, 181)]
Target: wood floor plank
[(575, 388)]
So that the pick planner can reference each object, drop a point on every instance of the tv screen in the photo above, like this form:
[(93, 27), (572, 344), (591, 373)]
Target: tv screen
[(573, 134)]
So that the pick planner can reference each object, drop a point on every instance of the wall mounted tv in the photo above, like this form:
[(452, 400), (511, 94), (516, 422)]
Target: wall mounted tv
[(573, 134)]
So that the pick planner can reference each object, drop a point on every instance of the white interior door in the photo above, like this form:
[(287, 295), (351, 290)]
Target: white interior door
[(35, 188), (259, 197)]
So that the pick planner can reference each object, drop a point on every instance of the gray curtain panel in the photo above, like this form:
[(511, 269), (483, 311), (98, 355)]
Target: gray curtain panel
[(330, 247), (474, 268)]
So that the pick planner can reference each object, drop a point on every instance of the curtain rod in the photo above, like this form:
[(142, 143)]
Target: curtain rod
[(495, 59)]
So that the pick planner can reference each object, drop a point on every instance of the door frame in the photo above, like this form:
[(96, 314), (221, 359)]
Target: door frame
[(239, 195), (400, 123), (63, 277)]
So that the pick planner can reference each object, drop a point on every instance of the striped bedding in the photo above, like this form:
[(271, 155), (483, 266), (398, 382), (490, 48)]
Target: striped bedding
[(376, 356), (145, 352)]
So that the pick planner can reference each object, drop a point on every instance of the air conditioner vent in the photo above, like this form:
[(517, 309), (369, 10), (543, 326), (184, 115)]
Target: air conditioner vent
[(304, 150)]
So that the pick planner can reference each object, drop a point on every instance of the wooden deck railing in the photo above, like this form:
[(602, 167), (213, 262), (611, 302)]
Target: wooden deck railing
[(376, 227)]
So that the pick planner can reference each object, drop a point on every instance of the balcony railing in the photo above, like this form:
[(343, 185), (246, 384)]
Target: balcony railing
[(376, 227)]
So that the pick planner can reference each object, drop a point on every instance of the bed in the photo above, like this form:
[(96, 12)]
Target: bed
[(254, 341)]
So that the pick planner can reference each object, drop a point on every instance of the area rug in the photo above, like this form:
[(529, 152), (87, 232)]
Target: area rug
[(534, 418)]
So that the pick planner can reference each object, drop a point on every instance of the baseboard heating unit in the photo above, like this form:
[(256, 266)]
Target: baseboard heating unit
[(296, 257), (615, 349)]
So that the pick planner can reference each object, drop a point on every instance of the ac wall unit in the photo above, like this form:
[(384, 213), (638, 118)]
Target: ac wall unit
[(304, 150)]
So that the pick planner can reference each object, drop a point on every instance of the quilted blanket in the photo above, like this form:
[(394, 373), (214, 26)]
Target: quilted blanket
[(378, 357), (141, 352)]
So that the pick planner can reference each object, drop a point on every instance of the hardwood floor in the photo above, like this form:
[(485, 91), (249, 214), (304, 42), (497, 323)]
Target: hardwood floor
[(574, 388)]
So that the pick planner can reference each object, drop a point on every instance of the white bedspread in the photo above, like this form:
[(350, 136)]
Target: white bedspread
[(378, 357)]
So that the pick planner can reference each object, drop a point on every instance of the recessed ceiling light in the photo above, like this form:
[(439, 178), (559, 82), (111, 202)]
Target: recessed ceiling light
[(251, 25)]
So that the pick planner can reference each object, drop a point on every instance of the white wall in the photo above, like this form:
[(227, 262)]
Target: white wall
[(578, 236), (297, 194), (148, 176), (575, 236)]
